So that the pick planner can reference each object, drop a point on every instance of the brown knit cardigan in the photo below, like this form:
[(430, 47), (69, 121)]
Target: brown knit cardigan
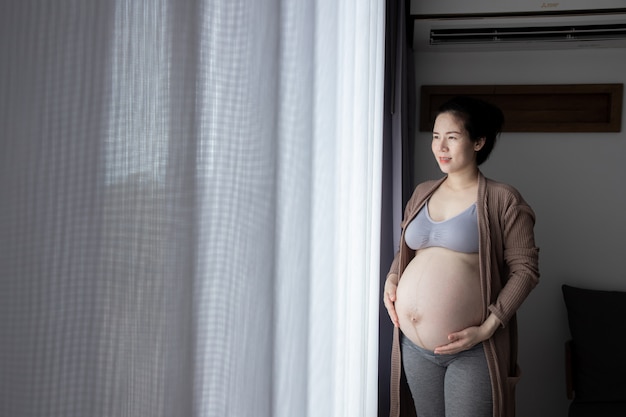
[(508, 261)]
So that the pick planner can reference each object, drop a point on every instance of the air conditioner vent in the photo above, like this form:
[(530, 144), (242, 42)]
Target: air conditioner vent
[(502, 35)]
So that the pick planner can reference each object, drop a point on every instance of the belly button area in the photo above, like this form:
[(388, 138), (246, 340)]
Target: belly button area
[(414, 317)]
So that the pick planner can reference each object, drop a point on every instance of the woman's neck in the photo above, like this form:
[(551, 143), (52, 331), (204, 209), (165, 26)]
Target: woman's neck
[(462, 180)]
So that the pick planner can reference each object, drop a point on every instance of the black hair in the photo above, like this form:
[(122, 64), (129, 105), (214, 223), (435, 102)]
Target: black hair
[(481, 120)]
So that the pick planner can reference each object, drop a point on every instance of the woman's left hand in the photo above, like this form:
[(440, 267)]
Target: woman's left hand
[(467, 338), (461, 340)]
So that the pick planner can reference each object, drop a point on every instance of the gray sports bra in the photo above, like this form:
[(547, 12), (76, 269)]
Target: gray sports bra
[(458, 233)]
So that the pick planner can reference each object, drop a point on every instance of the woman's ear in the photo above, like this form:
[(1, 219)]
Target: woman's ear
[(478, 145)]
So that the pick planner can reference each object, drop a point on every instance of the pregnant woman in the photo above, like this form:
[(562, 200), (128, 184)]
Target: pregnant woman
[(467, 260)]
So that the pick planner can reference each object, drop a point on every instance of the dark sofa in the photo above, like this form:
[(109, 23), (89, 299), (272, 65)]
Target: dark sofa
[(595, 357)]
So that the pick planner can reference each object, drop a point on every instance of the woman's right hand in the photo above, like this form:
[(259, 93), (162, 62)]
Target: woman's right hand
[(389, 298)]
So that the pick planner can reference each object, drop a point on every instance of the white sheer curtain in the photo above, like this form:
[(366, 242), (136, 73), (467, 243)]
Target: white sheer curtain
[(190, 207)]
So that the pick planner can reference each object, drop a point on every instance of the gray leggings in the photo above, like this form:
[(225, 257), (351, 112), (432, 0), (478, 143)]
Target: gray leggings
[(448, 385)]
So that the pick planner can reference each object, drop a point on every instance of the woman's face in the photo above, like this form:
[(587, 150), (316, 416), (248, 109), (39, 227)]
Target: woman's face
[(451, 145)]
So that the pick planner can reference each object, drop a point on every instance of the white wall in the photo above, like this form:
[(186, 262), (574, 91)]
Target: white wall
[(574, 182)]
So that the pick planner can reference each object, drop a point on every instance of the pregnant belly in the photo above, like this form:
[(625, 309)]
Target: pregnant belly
[(438, 294)]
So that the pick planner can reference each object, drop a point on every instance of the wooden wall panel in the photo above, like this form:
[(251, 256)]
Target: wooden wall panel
[(537, 108)]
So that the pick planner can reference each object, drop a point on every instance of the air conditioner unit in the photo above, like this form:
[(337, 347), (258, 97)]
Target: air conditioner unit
[(462, 25)]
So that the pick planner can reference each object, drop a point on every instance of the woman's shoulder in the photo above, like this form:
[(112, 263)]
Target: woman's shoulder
[(426, 188), (504, 193), (420, 193), (428, 185), (502, 188)]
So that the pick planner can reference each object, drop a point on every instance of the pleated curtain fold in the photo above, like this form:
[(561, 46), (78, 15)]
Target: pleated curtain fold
[(190, 198)]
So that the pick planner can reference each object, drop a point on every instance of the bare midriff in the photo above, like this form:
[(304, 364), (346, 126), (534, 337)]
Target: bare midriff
[(438, 294)]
